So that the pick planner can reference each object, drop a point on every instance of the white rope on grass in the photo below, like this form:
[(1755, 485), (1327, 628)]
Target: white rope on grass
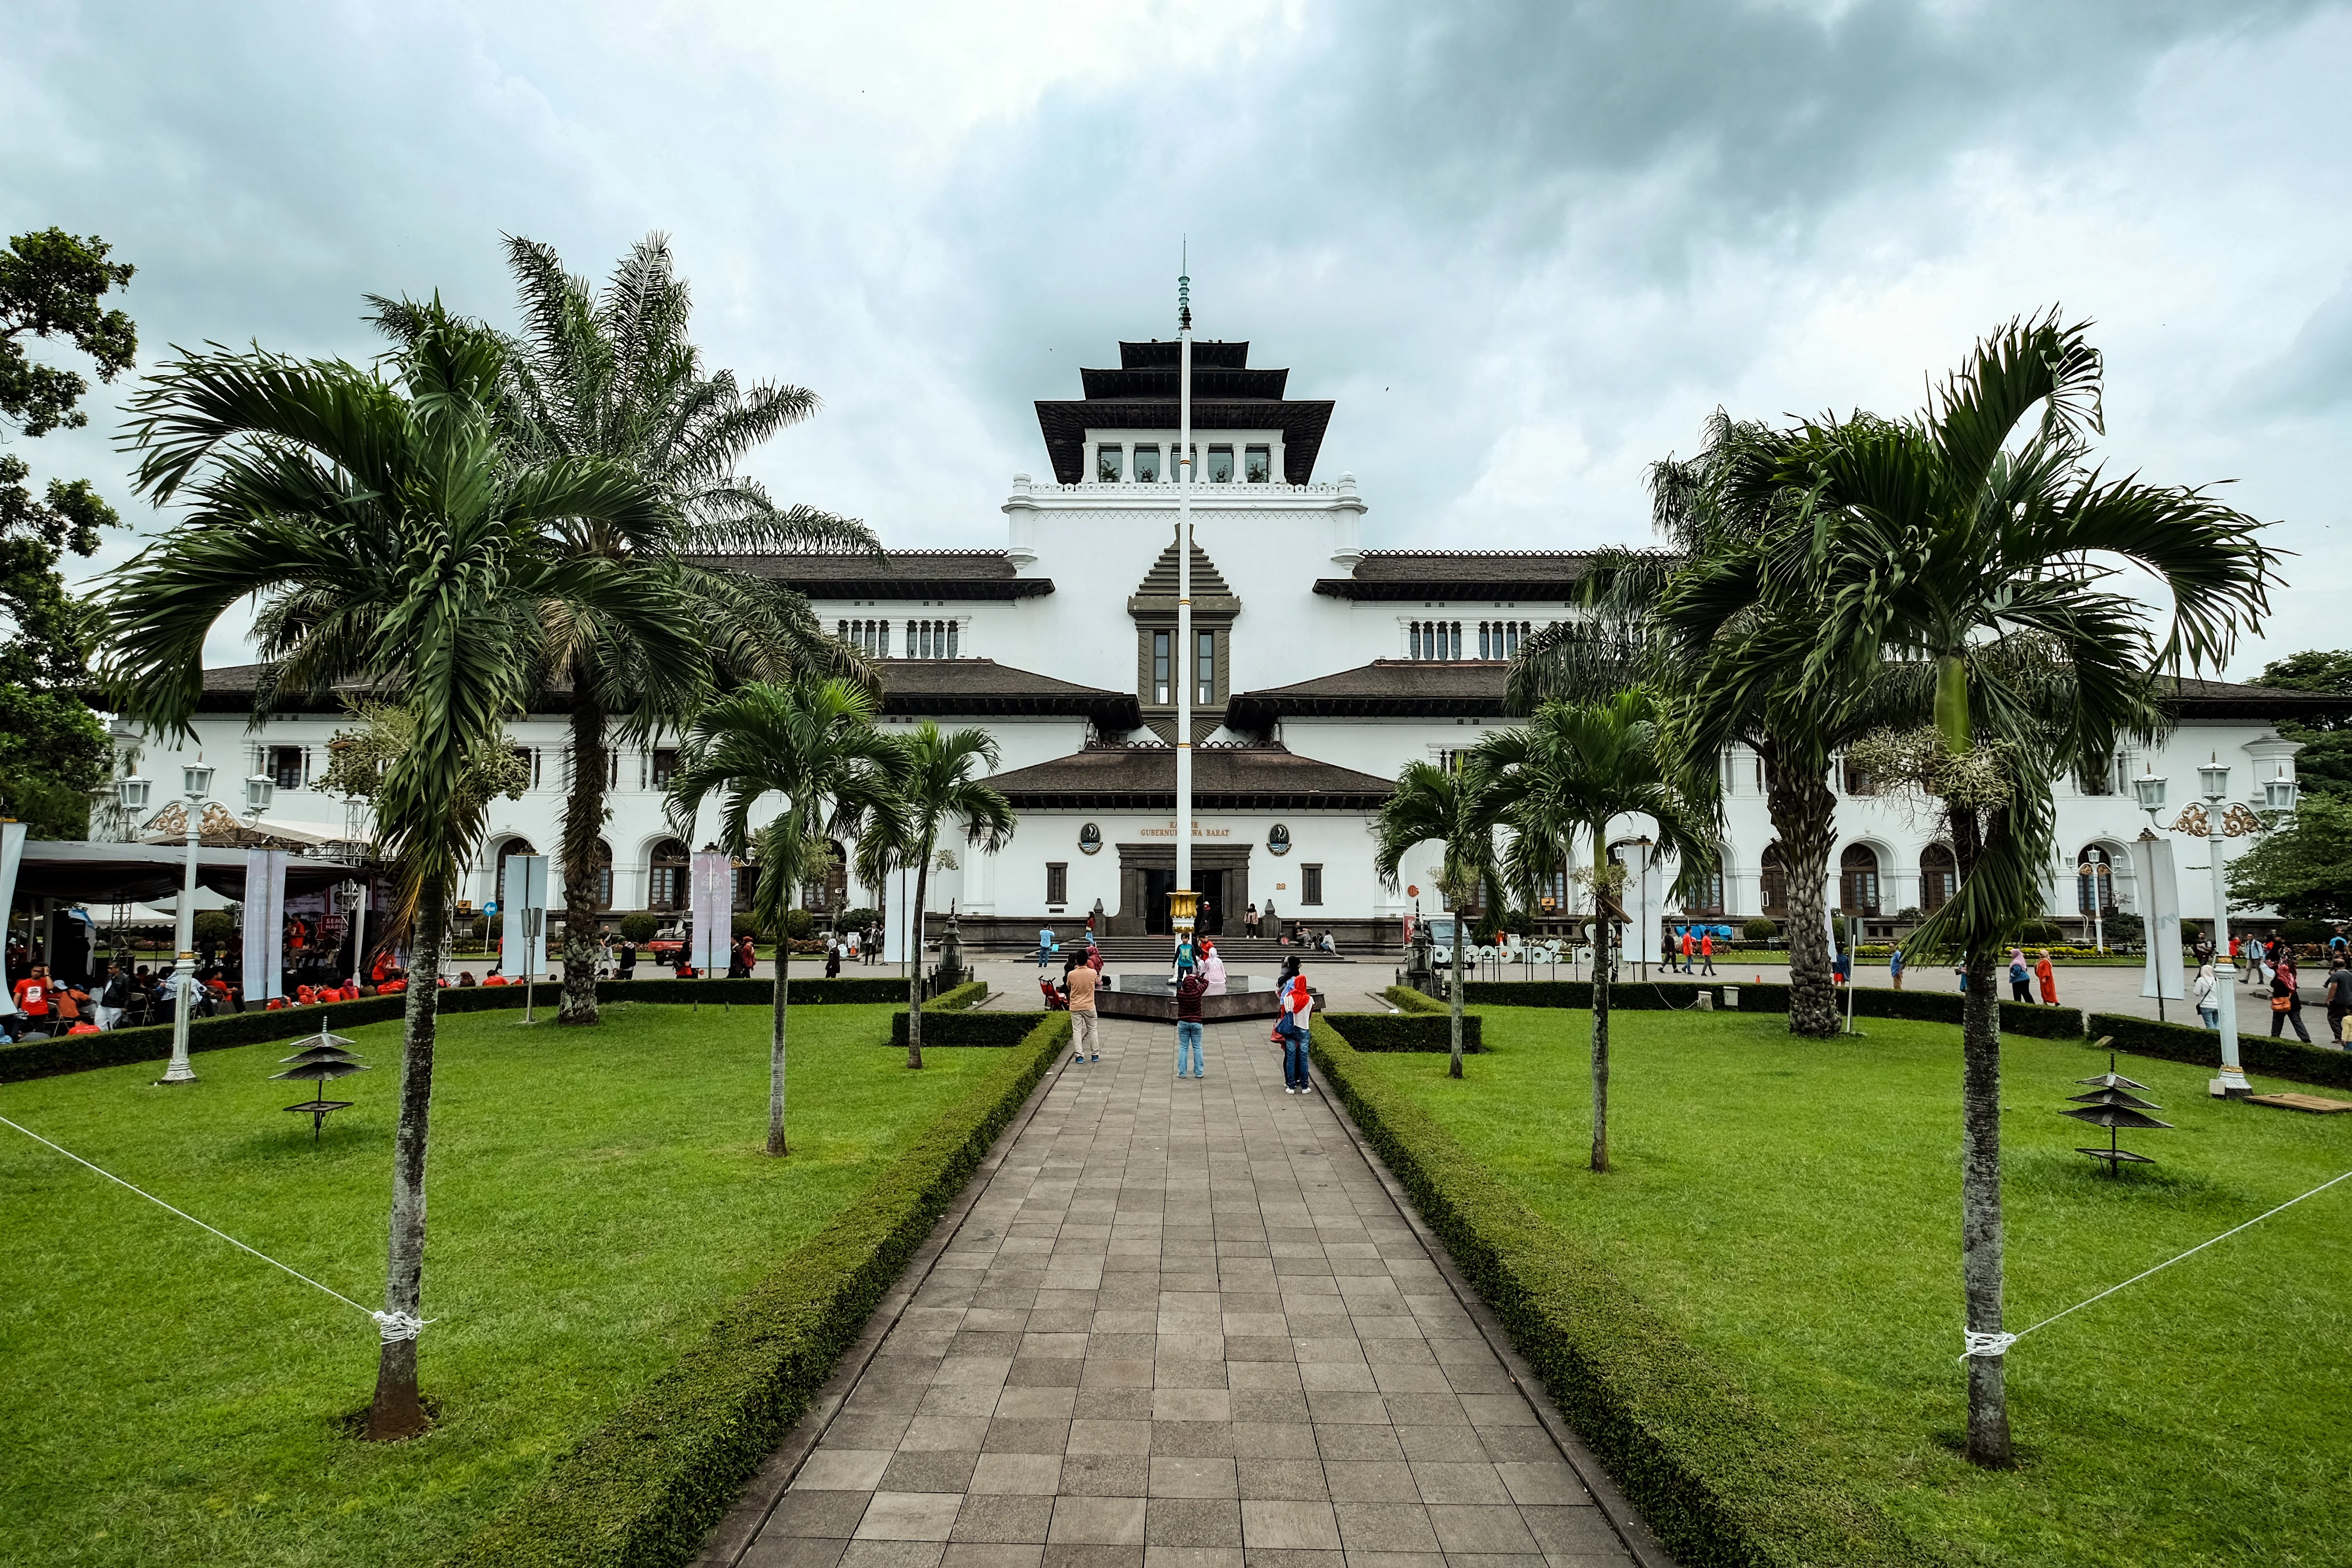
[(390, 1326), (1995, 1343)]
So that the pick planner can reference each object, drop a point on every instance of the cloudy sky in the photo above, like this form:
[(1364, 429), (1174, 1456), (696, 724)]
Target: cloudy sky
[(1527, 247)]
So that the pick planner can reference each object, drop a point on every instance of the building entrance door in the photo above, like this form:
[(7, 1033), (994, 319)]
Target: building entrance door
[(1159, 884)]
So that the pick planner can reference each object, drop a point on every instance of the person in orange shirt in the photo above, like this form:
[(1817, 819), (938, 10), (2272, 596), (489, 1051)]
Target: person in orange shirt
[(495, 979), (2049, 978), (33, 996)]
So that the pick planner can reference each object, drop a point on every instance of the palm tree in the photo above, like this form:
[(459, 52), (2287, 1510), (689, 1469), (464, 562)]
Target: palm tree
[(1451, 806), (613, 375), (1573, 770), (1684, 622), (815, 744), (392, 547), (932, 790), (1974, 545)]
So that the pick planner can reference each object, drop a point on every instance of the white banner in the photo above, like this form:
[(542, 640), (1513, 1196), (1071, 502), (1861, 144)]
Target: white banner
[(1644, 908), (11, 854), (2163, 976), (523, 889), (711, 906), (265, 925)]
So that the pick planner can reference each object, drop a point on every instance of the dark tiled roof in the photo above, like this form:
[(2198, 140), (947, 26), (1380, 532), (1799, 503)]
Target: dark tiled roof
[(954, 688), (2229, 700), (1386, 688), (1159, 583), (1229, 778), (893, 574), (1403, 574)]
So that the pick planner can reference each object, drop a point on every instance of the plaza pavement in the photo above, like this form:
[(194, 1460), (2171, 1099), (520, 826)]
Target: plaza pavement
[(1179, 1325)]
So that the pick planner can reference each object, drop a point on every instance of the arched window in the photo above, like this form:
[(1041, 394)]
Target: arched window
[(604, 875), (666, 888), (1939, 877), (507, 850), (1772, 882), (827, 886), (2095, 890), (1858, 881)]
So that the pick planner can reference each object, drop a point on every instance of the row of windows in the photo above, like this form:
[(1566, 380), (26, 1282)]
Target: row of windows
[(1204, 672), (920, 639), (1111, 464), (2095, 779), (1057, 883), (1445, 639)]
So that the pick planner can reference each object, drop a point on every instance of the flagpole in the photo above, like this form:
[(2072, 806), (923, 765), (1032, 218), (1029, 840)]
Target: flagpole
[(1180, 907)]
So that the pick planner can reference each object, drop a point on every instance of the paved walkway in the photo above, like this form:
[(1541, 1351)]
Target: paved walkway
[(1183, 1325)]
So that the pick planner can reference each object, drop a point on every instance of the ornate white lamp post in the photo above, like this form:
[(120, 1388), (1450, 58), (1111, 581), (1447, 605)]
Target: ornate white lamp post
[(259, 790), (2217, 825), (2095, 867), (196, 791)]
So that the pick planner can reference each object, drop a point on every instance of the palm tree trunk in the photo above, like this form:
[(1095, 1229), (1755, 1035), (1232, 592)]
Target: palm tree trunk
[(398, 1411), (584, 867), (915, 967), (1601, 963), (776, 1046), (1454, 992), (1981, 1221), (1804, 817)]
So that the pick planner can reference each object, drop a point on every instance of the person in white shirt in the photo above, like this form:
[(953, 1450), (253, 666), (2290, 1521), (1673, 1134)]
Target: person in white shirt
[(1212, 968), (1298, 1004)]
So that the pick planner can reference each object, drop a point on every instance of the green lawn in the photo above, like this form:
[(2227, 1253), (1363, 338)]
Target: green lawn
[(1793, 1209), (595, 1194)]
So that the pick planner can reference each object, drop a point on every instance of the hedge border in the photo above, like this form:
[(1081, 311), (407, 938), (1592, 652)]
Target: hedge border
[(79, 1053), (1406, 999), (1699, 1459), (1407, 1031), (969, 1028), (644, 1490), (2028, 1018), (2201, 1048)]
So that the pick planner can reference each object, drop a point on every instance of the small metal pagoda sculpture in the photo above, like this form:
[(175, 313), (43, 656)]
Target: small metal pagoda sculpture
[(2112, 1104), (322, 1060)]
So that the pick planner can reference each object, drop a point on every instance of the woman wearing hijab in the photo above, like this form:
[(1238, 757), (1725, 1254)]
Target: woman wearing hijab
[(2021, 979), (2206, 988), (1212, 968), (2049, 978), (2286, 997)]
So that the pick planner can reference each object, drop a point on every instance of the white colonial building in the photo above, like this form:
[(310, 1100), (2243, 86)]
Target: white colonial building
[(1320, 667)]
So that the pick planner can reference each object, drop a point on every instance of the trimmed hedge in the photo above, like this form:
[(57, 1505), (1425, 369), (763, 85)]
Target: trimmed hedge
[(969, 1028), (1705, 1466), (1405, 1031), (644, 1490), (1411, 1001), (2202, 1047), (2027, 1018), (957, 999), (79, 1053)]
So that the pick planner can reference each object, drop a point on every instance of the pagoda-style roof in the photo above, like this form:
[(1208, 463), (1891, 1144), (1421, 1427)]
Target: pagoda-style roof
[(1537, 575), (1224, 778), (986, 575), (1143, 392), (979, 687)]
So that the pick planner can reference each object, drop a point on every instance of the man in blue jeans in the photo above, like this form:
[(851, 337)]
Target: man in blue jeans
[(1297, 1005), (1190, 989)]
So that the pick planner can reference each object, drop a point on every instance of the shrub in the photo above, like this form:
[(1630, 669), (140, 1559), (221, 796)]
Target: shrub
[(2201, 1048), (2039, 933), (743, 926), (2124, 927), (2299, 932), (638, 926), (1762, 930), (969, 1028), (799, 924), (857, 920), (646, 1487), (1407, 999), (213, 926), (1404, 1031), (2190, 931)]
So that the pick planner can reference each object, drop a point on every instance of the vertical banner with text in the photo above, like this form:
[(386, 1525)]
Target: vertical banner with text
[(265, 925), (711, 883), (2161, 913), (522, 905)]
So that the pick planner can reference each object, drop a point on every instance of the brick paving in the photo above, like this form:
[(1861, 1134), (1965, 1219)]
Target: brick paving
[(1184, 1326)]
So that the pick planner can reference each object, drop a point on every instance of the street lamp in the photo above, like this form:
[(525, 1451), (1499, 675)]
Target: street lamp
[(352, 898), (258, 790), (2093, 865), (2214, 782), (2279, 793), (195, 791)]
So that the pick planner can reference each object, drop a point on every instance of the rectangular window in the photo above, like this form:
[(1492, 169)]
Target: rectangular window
[(1257, 465), (1147, 465), (1207, 674), (951, 640), (1857, 780), (285, 766), (1311, 884), (1413, 641), (2096, 778), (1159, 693), (528, 757), (1107, 464), (664, 765), (1057, 883), (1221, 465)]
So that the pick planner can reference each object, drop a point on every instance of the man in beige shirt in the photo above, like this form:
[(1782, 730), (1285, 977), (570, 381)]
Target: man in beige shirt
[(1078, 982)]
